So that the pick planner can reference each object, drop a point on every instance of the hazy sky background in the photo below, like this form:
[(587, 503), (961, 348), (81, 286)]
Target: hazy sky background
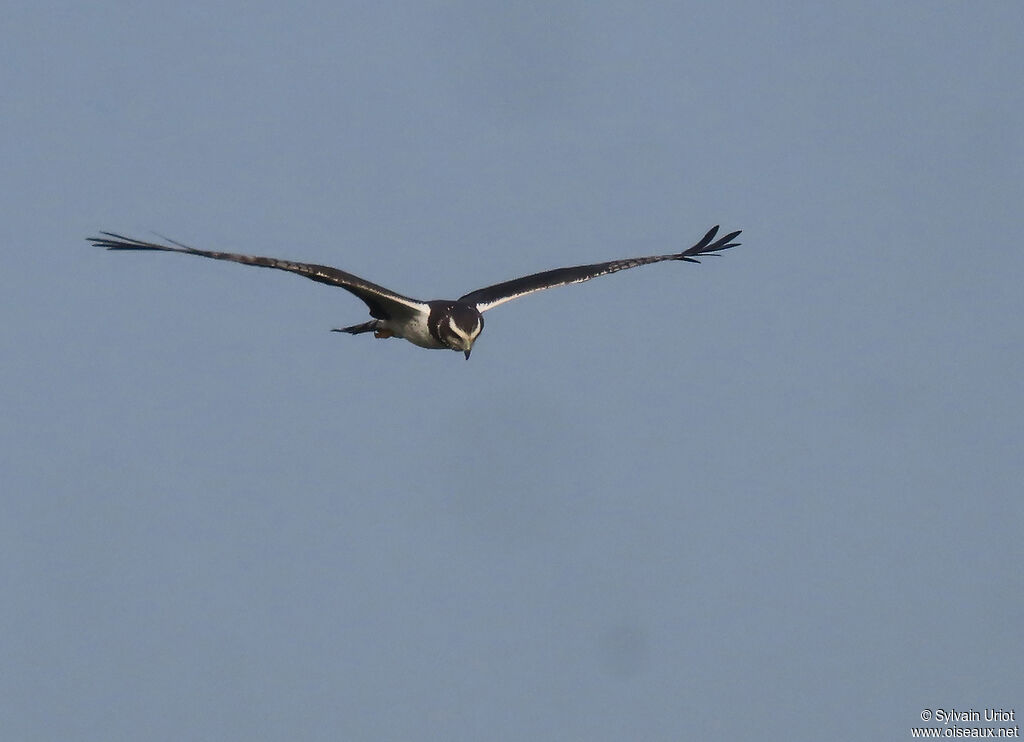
[(774, 496)]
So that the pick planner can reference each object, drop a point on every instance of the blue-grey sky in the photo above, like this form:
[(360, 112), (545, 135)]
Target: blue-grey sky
[(774, 496)]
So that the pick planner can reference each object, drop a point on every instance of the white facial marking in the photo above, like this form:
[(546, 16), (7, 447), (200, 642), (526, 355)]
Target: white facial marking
[(466, 339)]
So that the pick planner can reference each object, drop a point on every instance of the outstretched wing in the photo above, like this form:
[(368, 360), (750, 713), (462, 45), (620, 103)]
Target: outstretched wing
[(499, 293), (383, 303)]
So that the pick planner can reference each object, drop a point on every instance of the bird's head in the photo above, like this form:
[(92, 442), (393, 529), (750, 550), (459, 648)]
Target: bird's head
[(460, 326)]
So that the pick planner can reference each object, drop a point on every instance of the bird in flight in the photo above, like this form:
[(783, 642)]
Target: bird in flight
[(440, 323)]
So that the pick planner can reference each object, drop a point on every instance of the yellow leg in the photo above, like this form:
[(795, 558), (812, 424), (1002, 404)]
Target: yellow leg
[(383, 333)]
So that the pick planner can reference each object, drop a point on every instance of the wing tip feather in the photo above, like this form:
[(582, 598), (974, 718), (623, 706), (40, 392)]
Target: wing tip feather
[(708, 245)]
